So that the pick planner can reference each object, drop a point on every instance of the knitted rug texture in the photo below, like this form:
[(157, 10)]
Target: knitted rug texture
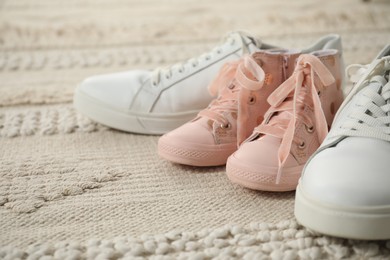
[(74, 189)]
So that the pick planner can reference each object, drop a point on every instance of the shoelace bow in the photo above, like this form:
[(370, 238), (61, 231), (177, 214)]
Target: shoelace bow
[(159, 73), (371, 117), (244, 73), (290, 100)]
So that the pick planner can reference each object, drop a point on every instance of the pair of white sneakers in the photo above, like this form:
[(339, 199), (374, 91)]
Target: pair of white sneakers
[(344, 190)]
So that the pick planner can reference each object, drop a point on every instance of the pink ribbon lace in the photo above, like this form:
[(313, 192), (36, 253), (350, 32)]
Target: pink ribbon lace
[(288, 104), (244, 73)]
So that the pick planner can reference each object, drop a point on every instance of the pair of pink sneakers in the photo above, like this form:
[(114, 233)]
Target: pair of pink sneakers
[(273, 110)]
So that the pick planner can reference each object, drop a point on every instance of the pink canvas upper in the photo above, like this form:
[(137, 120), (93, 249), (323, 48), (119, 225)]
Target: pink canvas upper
[(242, 87), (300, 114)]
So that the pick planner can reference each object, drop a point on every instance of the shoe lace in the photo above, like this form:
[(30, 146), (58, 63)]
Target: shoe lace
[(244, 73), (357, 74), (288, 103), (371, 116), (231, 39)]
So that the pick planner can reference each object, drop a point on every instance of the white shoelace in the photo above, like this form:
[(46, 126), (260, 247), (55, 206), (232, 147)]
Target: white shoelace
[(359, 72), (371, 115), (231, 39)]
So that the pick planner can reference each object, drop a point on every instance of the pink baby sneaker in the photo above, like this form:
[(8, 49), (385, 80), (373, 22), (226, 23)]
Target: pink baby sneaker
[(301, 112), (243, 87)]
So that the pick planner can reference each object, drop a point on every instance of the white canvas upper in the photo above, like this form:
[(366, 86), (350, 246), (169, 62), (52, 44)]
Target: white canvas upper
[(154, 102), (346, 183)]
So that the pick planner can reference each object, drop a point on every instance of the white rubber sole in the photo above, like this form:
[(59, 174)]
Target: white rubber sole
[(368, 223), (126, 120)]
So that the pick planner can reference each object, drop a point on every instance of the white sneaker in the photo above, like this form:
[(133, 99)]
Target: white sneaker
[(155, 102), (345, 187)]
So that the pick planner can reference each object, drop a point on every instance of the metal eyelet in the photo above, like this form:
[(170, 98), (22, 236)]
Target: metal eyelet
[(252, 100), (302, 145), (226, 126), (309, 129)]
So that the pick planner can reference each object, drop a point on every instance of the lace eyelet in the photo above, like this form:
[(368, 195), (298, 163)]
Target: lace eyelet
[(309, 129), (181, 71), (319, 93), (194, 65), (226, 126), (219, 51), (302, 145), (231, 86), (167, 77), (252, 100), (154, 84)]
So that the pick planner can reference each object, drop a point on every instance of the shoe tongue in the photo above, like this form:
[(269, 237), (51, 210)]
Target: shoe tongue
[(226, 96), (247, 39), (280, 115), (384, 52), (255, 41)]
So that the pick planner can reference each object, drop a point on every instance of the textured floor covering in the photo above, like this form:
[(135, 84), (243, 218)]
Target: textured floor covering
[(65, 178)]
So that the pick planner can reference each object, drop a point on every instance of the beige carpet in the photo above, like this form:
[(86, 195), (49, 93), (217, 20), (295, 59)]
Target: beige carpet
[(72, 188)]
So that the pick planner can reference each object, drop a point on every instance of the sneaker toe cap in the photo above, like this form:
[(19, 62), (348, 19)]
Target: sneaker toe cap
[(263, 153), (193, 133), (354, 173), (116, 89)]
